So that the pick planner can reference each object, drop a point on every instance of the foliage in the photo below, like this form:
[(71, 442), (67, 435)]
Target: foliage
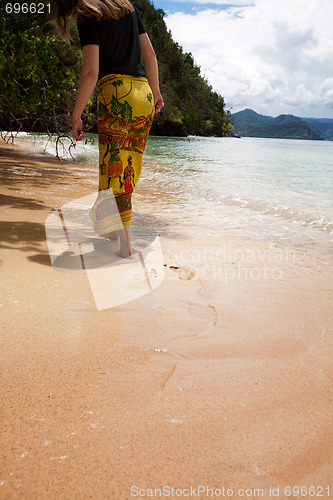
[(191, 105), (39, 75)]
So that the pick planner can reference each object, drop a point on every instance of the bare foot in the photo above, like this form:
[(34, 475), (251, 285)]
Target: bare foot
[(124, 254), (125, 243)]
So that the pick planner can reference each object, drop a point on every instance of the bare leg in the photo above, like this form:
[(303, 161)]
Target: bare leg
[(125, 242)]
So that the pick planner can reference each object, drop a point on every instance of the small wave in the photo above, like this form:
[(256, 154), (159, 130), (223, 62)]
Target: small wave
[(289, 214), (208, 173)]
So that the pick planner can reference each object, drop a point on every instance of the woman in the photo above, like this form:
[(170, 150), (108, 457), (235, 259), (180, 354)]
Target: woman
[(113, 38)]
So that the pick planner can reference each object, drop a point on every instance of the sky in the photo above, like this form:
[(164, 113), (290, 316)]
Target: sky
[(272, 56)]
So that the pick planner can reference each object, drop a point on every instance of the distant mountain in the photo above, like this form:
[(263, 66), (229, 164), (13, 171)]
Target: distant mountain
[(248, 123), (286, 127), (245, 120), (323, 126)]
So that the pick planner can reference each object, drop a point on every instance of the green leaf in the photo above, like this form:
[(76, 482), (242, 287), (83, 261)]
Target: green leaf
[(116, 106), (103, 110), (126, 113), (117, 83)]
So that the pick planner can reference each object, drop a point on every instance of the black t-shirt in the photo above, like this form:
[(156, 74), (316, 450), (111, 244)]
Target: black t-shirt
[(119, 48)]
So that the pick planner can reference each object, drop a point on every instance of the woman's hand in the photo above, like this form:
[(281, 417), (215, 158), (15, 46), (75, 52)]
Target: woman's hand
[(158, 102), (77, 128)]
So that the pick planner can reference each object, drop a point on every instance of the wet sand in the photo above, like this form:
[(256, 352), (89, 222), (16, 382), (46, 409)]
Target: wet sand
[(221, 377)]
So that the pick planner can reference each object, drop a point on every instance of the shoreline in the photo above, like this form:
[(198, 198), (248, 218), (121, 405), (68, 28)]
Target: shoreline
[(300, 232), (221, 376)]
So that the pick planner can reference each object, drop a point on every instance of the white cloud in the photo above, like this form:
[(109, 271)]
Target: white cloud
[(274, 57)]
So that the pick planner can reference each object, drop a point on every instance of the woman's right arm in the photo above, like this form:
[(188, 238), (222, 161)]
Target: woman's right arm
[(87, 85), (151, 66)]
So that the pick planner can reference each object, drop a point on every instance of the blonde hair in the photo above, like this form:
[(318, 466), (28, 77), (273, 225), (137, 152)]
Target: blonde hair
[(65, 10)]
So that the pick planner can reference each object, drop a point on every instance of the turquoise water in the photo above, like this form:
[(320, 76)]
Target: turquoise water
[(278, 190), (290, 179), (270, 189)]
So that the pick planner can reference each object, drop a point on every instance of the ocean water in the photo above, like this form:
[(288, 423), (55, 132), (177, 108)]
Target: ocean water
[(269, 189)]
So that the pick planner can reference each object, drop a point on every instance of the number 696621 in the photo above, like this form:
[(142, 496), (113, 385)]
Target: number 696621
[(28, 8)]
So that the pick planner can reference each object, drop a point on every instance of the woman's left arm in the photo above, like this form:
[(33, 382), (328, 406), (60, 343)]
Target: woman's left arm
[(151, 65), (87, 85)]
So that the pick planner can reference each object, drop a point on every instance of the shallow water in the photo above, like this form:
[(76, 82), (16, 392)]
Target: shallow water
[(270, 189)]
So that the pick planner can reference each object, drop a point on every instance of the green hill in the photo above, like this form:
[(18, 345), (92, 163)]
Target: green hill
[(245, 120), (324, 126), (39, 77), (191, 105), (286, 127), (247, 123)]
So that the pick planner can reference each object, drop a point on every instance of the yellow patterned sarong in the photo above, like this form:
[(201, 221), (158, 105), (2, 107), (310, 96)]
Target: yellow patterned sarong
[(125, 110)]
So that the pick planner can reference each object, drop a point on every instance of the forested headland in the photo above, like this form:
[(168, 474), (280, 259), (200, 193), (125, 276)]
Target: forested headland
[(39, 76), (248, 123)]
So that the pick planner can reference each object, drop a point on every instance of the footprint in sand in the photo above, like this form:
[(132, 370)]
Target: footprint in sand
[(184, 317), (183, 273)]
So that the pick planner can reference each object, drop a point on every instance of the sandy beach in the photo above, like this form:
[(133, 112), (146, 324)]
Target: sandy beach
[(220, 378)]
